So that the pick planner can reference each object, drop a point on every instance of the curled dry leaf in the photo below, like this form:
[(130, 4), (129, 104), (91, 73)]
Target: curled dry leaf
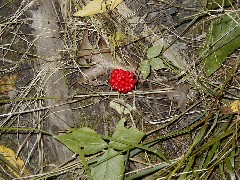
[(97, 6), (101, 58)]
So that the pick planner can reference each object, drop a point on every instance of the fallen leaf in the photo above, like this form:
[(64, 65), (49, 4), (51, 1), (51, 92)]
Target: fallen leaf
[(15, 164), (120, 106), (7, 83), (97, 6), (233, 108), (85, 50), (101, 58)]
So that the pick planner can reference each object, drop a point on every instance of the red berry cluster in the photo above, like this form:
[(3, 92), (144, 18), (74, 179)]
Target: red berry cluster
[(122, 81)]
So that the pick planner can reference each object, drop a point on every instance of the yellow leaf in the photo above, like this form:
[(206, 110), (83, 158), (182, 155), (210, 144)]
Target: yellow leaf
[(117, 39), (235, 106), (7, 83), (97, 6), (15, 161)]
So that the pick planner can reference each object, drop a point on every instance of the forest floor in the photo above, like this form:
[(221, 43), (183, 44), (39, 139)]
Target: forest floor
[(54, 79)]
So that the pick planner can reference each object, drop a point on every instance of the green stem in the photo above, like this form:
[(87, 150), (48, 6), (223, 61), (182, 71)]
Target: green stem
[(85, 164)]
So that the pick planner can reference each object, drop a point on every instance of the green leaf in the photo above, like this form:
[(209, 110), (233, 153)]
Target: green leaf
[(157, 63), (230, 168), (111, 166), (120, 106), (222, 172), (210, 155), (84, 138), (132, 136), (223, 39), (154, 51), (217, 4), (69, 141), (145, 68), (230, 160), (188, 167)]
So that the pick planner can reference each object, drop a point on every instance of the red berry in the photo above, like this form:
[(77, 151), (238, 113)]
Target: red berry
[(127, 79), (115, 71), (114, 75), (131, 75), (115, 87), (125, 90), (127, 73), (118, 78), (121, 71), (112, 81), (120, 89), (123, 81), (131, 86), (133, 81)]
